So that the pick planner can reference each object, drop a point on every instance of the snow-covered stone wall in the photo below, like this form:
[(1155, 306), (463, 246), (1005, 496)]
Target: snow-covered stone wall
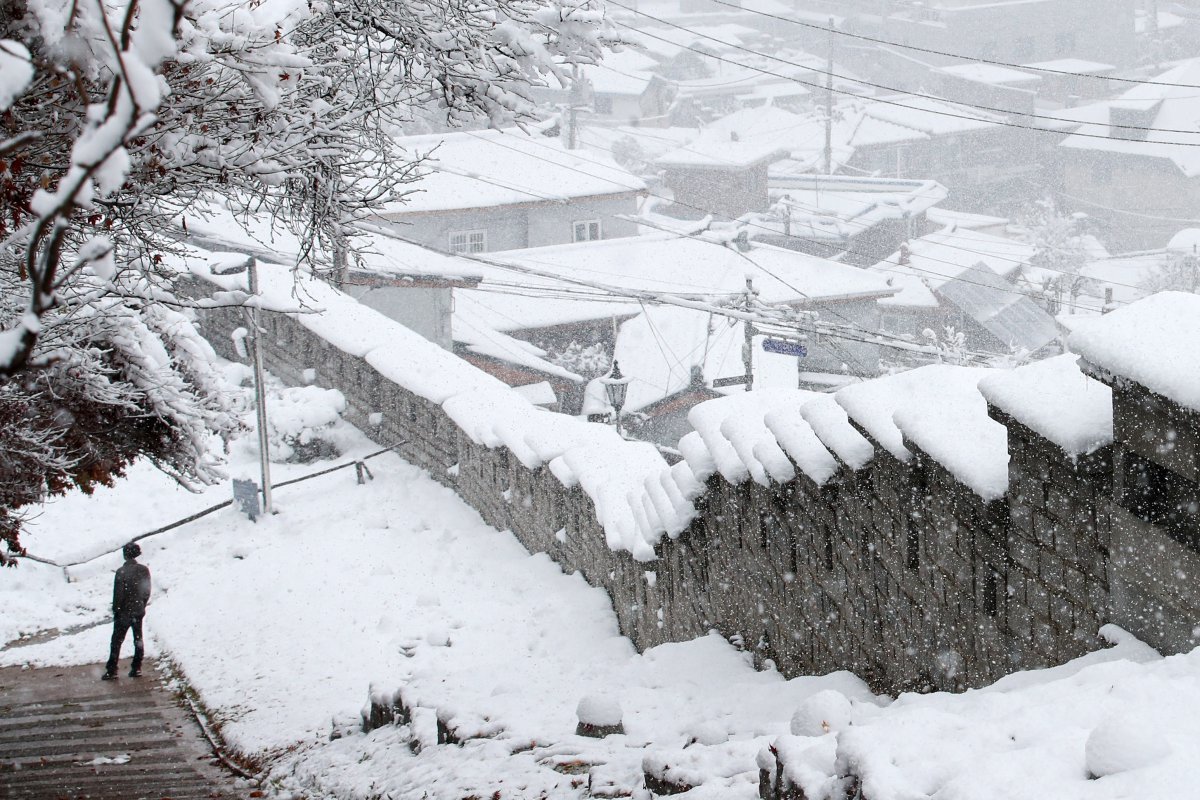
[(909, 531)]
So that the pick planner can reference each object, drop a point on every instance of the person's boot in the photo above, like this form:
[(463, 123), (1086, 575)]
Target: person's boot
[(136, 672), (109, 676)]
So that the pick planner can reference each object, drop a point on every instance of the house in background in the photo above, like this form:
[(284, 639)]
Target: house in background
[(484, 191), (1010, 31), (724, 178), (857, 220), (965, 280), (658, 346), (1141, 185)]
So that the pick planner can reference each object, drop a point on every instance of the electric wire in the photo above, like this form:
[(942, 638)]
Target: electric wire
[(886, 101), (932, 51), (904, 269)]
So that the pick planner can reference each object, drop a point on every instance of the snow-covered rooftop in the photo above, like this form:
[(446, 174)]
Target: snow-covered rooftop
[(689, 265), (841, 206), (1151, 342), (1178, 109), (1075, 66), (477, 169), (1056, 400), (990, 74), (949, 254)]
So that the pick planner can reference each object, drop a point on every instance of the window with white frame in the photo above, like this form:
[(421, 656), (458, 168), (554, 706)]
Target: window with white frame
[(587, 230), (468, 241)]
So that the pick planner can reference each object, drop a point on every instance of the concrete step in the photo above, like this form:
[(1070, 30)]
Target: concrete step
[(54, 722)]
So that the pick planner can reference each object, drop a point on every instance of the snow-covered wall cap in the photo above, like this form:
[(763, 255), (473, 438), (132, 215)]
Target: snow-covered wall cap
[(831, 424), (945, 415), (1056, 400), (873, 403), (801, 444), (1151, 342), (736, 435), (611, 471), (696, 454)]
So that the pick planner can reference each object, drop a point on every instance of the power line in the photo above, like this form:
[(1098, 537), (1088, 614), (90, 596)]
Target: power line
[(960, 56), (783, 318), (906, 269), (894, 90)]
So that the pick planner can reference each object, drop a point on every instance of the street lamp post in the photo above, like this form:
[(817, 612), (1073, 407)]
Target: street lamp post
[(615, 386), (251, 314)]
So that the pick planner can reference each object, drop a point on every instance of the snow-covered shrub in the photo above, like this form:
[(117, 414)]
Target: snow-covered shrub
[(590, 362), (825, 712), (304, 423)]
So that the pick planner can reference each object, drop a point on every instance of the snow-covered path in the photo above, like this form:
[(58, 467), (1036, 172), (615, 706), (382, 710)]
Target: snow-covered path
[(282, 627)]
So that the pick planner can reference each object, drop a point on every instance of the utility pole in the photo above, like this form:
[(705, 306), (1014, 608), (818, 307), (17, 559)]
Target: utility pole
[(748, 344), (829, 103), (260, 391)]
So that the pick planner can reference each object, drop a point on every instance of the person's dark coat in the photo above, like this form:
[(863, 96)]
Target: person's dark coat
[(131, 590)]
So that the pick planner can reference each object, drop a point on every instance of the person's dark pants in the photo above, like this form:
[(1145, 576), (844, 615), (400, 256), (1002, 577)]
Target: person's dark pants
[(121, 626)]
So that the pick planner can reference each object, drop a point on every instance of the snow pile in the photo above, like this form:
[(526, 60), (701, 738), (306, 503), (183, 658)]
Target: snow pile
[(599, 710), (871, 405), (801, 443), (1122, 715), (824, 712), (1056, 400), (1149, 342), (1123, 743)]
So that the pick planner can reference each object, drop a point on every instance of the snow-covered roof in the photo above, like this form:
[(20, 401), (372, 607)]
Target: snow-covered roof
[(625, 71), (691, 265), (840, 206), (990, 74), (995, 304), (964, 220), (479, 338), (1056, 400), (476, 169), (1151, 342), (949, 255), (705, 153), (1186, 242), (1075, 66), (660, 348), (930, 116), (1178, 109)]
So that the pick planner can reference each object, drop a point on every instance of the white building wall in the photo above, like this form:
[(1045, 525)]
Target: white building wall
[(425, 311), (554, 224), (514, 228)]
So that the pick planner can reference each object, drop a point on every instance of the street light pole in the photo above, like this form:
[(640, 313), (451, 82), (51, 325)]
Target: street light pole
[(615, 386), (260, 392)]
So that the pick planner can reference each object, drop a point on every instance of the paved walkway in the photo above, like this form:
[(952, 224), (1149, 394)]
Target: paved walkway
[(67, 735)]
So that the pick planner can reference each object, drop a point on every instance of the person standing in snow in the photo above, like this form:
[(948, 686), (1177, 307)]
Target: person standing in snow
[(131, 590)]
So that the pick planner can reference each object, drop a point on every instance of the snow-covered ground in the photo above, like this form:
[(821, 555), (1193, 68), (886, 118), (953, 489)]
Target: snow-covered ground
[(285, 626)]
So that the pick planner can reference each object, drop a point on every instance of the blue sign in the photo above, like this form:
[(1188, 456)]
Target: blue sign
[(785, 348)]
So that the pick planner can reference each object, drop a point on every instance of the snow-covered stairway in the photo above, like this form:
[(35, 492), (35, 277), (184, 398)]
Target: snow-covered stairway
[(66, 734)]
